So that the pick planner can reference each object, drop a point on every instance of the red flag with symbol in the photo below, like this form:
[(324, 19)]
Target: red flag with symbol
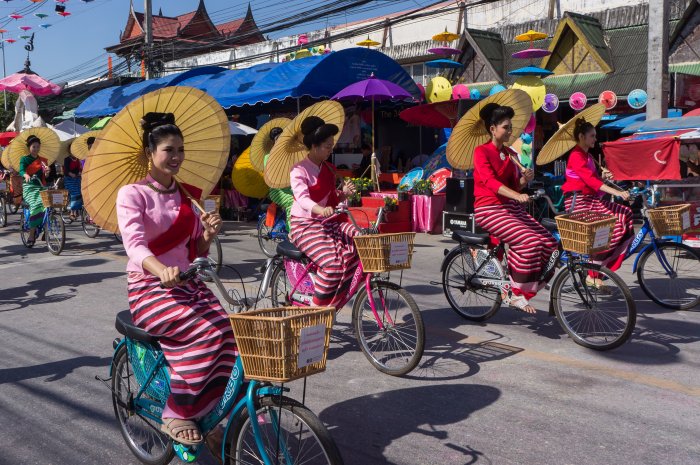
[(640, 160)]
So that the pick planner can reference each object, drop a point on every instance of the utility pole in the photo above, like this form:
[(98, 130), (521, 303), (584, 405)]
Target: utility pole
[(148, 20), (657, 60)]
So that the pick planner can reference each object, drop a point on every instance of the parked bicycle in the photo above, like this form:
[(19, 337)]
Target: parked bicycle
[(387, 323), (52, 226), (270, 236), (473, 274)]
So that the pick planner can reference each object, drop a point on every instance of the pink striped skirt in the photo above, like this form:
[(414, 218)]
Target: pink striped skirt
[(530, 245), (331, 248), (197, 341), (621, 235)]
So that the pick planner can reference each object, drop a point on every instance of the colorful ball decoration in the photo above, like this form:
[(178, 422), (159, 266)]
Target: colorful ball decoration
[(608, 98), (637, 99), (496, 89), (460, 91), (551, 103), (534, 87), (474, 94), (530, 124), (439, 90), (578, 101)]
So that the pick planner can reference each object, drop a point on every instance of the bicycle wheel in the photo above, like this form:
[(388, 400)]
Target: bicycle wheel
[(24, 226), (3, 213), (142, 435), (55, 233), (677, 287), (216, 254), (599, 319), (14, 208), (398, 347), (473, 302), (89, 228), (267, 244), (280, 287), (290, 432)]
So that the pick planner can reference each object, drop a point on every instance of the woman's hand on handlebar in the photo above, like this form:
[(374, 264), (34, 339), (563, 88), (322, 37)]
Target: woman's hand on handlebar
[(27, 178), (624, 195), (327, 212), (522, 198), (169, 276)]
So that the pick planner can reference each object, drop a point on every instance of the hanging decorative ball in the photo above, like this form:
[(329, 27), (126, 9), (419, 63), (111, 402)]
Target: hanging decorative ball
[(534, 87), (530, 124), (551, 103), (637, 99), (474, 94), (608, 98), (303, 39), (578, 101), (496, 89), (460, 91), (439, 90)]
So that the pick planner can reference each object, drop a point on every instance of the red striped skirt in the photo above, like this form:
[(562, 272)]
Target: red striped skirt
[(530, 245), (197, 341), (331, 248), (621, 235)]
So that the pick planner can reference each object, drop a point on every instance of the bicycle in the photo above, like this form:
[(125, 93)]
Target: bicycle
[(387, 322), (282, 431), (52, 227), (269, 237), (473, 275)]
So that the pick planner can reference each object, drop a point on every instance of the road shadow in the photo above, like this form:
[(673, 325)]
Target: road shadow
[(365, 426), (54, 370), (87, 262)]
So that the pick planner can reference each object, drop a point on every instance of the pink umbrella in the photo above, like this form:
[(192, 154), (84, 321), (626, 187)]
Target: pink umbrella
[(10, 41), (25, 28), (33, 83), (64, 13), (16, 16)]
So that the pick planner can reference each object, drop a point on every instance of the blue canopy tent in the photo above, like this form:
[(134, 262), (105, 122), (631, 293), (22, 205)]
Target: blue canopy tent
[(317, 77), (663, 124), (622, 123)]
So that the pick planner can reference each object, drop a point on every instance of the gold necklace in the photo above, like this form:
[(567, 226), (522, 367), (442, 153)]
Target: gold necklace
[(162, 191)]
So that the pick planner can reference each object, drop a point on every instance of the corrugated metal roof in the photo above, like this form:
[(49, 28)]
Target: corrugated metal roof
[(411, 52), (685, 68)]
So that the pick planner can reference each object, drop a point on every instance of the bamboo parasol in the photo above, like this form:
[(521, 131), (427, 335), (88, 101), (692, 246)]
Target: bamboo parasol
[(79, 147), (262, 144), (563, 140), (50, 146)]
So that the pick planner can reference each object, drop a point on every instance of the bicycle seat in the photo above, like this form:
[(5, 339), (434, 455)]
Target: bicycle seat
[(125, 326), (470, 238), (549, 224), (289, 250)]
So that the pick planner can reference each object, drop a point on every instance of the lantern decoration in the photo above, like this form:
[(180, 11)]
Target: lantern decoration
[(25, 28), (534, 87), (64, 13), (460, 91), (41, 15), (25, 37), (578, 101), (474, 94), (3, 31), (302, 40), (45, 26), (439, 90), (10, 41), (637, 99), (551, 103), (608, 98)]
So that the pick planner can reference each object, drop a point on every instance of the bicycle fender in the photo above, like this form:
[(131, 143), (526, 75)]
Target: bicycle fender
[(114, 354), (447, 256), (639, 255)]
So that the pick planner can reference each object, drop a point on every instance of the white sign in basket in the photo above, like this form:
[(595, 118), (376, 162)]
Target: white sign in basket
[(685, 220), (312, 342), (57, 199), (398, 253), (602, 237), (209, 205)]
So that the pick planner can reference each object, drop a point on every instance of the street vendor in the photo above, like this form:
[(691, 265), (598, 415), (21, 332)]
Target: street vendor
[(590, 187), (33, 169)]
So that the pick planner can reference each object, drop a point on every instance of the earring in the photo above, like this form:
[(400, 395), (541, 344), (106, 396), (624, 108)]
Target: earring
[(150, 164)]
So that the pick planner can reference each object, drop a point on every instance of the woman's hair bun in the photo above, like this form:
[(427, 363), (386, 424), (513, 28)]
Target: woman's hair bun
[(486, 112), (152, 120), (275, 133), (310, 124), (31, 139)]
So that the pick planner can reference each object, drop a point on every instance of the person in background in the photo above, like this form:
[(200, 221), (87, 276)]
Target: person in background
[(72, 170), (362, 170)]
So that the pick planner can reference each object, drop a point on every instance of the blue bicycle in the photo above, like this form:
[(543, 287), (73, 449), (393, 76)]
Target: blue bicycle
[(269, 237), (282, 430), (52, 227)]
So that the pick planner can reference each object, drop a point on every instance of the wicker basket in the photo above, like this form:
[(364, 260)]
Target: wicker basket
[(272, 341), (670, 221), (56, 198), (375, 251), (585, 232)]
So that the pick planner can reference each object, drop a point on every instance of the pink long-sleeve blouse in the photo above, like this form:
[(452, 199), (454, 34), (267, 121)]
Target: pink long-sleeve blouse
[(144, 214), (305, 174)]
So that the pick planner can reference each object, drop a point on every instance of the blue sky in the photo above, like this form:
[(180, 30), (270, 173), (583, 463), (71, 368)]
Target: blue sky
[(77, 39)]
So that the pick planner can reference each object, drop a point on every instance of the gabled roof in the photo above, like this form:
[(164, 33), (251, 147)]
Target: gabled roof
[(231, 27), (576, 29), (489, 48), (685, 27)]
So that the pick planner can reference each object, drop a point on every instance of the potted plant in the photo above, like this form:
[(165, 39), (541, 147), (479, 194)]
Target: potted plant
[(402, 193), (355, 200), (424, 187), (391, 204)]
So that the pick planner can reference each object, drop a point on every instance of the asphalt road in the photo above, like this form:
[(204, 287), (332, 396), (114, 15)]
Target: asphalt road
[(515, 390)]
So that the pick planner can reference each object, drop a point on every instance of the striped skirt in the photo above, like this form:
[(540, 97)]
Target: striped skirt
[(331, 248), (31, 195), (622, 235), (76, 197), (197, 341), (530, 245)]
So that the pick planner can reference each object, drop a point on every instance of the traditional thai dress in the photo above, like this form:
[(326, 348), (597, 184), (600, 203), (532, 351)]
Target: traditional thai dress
[(192, 328), (530, 244), (31, 190), (71, 165), (328, 244), (581, 177)]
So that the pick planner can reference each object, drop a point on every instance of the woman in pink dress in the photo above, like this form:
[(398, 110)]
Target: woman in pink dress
[(162, 235)]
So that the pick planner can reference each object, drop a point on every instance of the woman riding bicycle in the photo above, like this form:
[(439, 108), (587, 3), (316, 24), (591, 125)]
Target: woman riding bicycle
[(328, 244), (582, 178), (498, 209), (162, 235), (72, 169), (32, 168)]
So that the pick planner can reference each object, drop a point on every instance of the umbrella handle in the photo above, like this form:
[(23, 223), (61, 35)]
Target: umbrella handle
[(515, 160), (192, 199)]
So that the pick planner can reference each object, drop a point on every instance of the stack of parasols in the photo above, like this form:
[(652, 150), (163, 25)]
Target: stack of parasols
[(444, 51)]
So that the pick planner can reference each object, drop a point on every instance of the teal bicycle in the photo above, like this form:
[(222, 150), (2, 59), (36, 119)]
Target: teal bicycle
[(282, 430)]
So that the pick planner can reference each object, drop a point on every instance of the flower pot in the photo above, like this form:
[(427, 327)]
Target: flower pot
[(402, 196)]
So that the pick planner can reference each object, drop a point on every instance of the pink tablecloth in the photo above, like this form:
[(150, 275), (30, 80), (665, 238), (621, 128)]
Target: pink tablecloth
[(381, 195), (427, 212)]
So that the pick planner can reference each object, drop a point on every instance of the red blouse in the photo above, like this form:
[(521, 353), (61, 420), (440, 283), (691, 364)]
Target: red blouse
[(493, 169), (581, 174)]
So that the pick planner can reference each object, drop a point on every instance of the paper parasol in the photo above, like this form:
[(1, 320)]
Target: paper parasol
[(470, 131), (563, 140), (79, 147), (445, 36), (50, 146), (290, 149), (531, 53), (262, 144), (5, 158), (444, 51), (246, 179), (368, 43), (117, 158), (530, 36)]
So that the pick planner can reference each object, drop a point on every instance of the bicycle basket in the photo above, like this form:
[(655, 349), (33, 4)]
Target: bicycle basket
[(672, 220), (56, 198), (143, 359), (385, 252), (585, 232), (283, 344)]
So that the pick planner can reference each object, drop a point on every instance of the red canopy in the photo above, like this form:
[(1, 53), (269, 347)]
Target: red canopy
[(6, 138), (641, 160)]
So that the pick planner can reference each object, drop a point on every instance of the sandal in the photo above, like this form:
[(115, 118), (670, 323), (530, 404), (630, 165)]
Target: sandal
[(598, 285), (516, 301), (173, 427)]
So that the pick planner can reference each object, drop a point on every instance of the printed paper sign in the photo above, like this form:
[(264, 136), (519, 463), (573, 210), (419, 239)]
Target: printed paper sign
[(602, 236), (685, 220), (398, 253), (311, 345), (209, 205), (57, 199)]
